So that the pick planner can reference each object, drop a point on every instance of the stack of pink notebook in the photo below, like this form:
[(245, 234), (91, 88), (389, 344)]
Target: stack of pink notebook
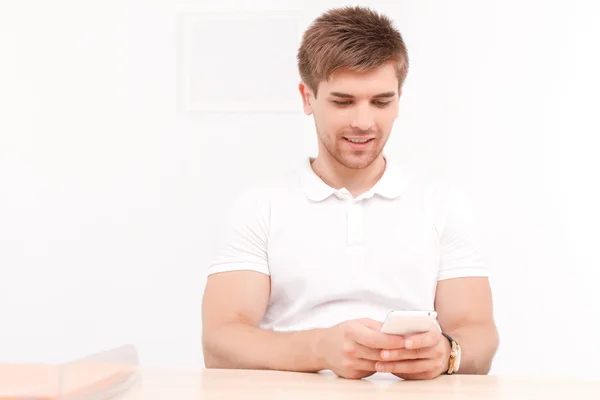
[(101, 376)]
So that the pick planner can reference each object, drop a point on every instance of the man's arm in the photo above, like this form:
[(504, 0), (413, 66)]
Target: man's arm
[(237, 294), (463, 297), (465, 312), (233, 305)]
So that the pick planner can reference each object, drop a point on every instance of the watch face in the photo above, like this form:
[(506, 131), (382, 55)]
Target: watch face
[(457, 359)]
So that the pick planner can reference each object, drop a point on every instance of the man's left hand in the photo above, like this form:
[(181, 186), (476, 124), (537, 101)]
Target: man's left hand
[(424, 356)]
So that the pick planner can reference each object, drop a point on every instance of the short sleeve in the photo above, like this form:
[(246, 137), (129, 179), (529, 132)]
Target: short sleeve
[(459, 239), (242, 242)]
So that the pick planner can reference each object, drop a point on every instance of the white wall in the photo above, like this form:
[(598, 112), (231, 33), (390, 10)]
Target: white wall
[(108, 199)]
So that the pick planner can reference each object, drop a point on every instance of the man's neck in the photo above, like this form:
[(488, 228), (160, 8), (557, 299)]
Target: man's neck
[(356, 181)]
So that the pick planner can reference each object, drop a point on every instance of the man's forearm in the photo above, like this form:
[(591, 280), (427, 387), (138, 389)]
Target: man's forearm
[(241, 346), (478, 344)]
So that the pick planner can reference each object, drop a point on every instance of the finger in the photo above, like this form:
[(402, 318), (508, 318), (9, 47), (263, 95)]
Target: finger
[(363, 365), (353, 349), (426, 339), (366, 336), (409, 366), (407, 354)]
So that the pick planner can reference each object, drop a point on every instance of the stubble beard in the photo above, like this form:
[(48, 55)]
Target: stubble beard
[(364, 161)]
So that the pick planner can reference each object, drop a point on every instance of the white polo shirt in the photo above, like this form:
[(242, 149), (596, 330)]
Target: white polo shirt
[(332, 257)]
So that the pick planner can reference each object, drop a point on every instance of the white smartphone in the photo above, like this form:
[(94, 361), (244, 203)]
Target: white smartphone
[(408, 323)]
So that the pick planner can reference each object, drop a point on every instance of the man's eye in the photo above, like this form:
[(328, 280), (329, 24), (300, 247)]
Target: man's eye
[(377, 103), (382, 103)]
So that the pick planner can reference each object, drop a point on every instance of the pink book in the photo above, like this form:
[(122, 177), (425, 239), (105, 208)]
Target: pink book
[(97, 377)]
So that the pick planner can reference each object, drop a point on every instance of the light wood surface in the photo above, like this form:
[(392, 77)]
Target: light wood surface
[(265, 385), (91, 381)]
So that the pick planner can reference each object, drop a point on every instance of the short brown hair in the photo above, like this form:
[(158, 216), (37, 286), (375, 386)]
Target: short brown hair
[(356, 38)]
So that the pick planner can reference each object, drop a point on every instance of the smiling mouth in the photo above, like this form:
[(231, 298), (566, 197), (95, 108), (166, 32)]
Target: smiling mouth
[(358, 141)]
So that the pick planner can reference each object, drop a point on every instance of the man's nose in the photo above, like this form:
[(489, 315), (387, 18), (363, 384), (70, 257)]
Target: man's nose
[(362, 119)]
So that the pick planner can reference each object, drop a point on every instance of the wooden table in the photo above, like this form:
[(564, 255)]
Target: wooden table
[(265, 385), (88, 381)]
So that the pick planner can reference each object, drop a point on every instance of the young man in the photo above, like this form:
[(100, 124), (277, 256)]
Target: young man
[(310, 266)]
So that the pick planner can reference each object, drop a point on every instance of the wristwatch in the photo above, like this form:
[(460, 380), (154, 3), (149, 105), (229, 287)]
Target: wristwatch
[(455, 354)]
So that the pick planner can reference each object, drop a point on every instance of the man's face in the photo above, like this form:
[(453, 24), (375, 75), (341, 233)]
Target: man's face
[(354, 114)]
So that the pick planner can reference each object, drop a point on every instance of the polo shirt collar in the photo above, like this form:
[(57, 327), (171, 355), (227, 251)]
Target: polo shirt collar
[(390, 185)]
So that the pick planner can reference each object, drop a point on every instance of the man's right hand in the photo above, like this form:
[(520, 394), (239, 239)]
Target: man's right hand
[(351, 348)]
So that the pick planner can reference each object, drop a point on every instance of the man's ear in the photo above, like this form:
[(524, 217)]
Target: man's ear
[(307, 97)]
